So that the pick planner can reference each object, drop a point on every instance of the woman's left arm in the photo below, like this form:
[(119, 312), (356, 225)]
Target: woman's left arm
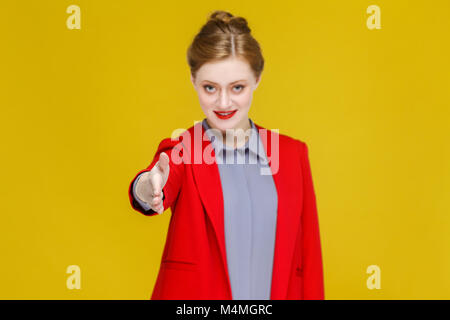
[(313, 286)]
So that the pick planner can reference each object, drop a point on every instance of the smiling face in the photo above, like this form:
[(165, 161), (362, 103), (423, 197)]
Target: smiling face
[(226, 86)]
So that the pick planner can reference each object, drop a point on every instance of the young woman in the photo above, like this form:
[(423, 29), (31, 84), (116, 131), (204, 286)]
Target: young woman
[(244, 221)]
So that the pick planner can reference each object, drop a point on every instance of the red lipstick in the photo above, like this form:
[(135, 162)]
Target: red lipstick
[(224, 117)]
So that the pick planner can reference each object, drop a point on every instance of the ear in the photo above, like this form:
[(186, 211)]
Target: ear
[(192, 80), (257, 82)]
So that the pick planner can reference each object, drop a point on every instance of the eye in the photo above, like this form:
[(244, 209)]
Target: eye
[(239, 85), (206, 88)]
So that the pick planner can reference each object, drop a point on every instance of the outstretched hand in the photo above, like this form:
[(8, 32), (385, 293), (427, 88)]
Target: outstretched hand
[(150, 185)]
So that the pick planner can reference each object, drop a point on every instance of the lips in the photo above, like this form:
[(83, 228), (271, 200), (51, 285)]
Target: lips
[(225, 115)]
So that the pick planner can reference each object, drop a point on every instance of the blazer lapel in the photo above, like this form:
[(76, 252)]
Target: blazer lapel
[(288, 212), (207, 179)]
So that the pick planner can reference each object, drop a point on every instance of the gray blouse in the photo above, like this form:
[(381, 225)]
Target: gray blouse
[(250, 214)]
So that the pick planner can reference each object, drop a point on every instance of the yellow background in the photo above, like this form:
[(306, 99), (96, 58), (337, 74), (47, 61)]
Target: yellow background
[(82, 111)]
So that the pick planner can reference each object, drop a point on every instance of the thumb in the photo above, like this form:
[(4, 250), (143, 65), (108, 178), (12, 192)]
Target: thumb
[(163, 162)]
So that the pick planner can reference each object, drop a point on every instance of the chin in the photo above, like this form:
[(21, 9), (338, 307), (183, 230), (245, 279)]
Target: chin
[(223, 127)]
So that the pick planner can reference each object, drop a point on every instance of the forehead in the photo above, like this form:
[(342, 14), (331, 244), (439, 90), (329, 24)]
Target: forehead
[(226, 71)]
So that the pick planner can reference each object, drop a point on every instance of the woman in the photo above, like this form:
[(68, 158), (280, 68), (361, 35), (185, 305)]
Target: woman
[(244, 221)]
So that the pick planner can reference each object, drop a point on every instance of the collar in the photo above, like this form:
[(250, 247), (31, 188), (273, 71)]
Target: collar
[(253, 145)]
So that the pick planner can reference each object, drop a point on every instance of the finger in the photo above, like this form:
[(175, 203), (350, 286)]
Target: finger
[(156, 208), (159, 200), (156, 201), (155, 182), (163, 162)]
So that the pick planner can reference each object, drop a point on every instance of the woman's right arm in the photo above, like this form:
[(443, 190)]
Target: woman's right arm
[(142, 203), (159, 184)]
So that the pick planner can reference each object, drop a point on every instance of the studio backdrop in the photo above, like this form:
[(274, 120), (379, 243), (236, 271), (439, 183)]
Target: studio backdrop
[(90, 88)]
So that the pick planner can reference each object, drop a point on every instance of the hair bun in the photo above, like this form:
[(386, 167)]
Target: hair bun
[(234, 24), (221, 15)]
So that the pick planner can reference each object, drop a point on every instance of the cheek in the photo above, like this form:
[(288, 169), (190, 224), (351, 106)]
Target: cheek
[(206, 100), (244, 100)]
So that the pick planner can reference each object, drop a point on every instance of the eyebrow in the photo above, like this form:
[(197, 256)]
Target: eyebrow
[(244, 80)]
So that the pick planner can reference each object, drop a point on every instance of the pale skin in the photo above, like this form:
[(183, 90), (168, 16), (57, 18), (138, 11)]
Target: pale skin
[(222, 86)]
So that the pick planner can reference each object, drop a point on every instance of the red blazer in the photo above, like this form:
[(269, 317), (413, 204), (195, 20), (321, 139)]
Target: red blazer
[(193, 264)]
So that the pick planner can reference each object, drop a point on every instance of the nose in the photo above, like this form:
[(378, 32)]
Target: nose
[(224, 100)]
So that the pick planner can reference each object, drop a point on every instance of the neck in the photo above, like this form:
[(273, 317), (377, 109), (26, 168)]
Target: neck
[(239, 136)]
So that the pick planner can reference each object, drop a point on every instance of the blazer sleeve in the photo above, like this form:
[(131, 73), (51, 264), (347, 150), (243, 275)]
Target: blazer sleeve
[(172, 187), (313, 283)]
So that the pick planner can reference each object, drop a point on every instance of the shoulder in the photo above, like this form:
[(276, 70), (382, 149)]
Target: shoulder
[(293, 141), (285, 140), (298, 145)]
